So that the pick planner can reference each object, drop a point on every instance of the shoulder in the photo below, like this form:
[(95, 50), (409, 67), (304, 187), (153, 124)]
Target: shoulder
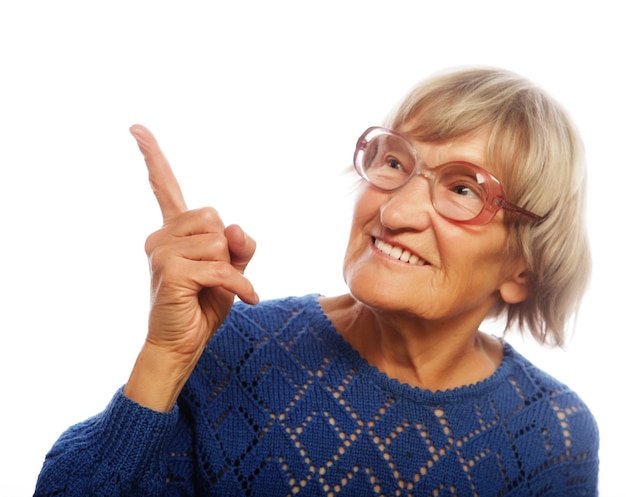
[(261, 346), (555, 409), (276, 308), (250, 328), (533, 383), (272, 314)]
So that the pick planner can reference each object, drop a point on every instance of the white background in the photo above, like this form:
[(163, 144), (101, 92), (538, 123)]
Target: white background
[(258, 106)]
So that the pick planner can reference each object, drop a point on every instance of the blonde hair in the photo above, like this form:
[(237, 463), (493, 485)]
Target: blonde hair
[(536, 152)]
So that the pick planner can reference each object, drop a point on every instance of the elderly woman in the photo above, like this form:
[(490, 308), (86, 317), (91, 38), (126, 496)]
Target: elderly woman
[(470, 206)]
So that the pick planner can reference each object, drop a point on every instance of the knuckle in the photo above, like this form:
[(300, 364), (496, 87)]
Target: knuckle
[(208, 216), (151, 242), (155, 240), (220, 243), (159, 257), (222, 270)]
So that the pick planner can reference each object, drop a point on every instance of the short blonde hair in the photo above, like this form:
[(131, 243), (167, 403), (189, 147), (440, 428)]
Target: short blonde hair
[(536, 152)]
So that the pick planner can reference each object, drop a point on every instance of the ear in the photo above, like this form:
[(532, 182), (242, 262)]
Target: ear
[(516, 287)]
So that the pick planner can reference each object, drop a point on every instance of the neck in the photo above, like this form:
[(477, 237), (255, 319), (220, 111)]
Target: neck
[(425, 354)]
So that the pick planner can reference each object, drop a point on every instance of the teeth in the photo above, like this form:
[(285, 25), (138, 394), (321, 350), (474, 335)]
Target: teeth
[(398, 253)]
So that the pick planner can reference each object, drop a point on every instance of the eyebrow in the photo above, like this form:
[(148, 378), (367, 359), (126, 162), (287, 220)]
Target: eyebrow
[(463, 158)]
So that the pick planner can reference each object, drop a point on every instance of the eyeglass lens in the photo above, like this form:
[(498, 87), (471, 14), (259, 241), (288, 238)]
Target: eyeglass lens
[(458, 191)]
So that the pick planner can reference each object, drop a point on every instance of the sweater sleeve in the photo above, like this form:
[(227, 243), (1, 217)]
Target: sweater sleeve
[(119, 452)]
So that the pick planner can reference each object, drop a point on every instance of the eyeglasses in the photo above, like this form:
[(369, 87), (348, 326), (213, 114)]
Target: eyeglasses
[(459, 191)]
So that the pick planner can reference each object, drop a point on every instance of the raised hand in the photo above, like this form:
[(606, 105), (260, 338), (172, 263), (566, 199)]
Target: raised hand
[(197, 269)]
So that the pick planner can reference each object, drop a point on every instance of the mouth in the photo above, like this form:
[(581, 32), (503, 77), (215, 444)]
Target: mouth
[(400, 253)]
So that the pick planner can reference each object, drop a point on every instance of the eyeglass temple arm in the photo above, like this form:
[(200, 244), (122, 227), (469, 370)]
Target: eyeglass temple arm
[(519, 210)]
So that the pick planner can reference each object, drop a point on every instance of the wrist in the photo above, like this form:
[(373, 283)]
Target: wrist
[(157, 379)]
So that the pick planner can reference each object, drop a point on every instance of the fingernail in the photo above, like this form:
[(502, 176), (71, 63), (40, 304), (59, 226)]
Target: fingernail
[(137, 135)]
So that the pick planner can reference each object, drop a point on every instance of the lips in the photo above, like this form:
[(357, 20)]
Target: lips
[(399, 253)]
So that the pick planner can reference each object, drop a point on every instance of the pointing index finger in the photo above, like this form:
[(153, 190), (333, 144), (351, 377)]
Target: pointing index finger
[(160, 174)]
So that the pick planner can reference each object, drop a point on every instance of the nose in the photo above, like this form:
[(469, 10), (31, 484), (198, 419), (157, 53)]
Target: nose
[(410, 206)]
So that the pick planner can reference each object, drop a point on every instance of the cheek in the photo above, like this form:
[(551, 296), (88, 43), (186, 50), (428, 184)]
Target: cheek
[(364, 217), (474, 260), (357, 244), (367, 206)]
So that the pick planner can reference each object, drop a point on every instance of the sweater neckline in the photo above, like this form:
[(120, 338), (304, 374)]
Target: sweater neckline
[(354, 360)]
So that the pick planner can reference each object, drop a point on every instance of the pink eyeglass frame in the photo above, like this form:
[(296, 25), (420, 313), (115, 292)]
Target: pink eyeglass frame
[(495, 194)]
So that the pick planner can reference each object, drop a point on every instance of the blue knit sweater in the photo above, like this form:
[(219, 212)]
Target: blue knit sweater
[(280, 405)]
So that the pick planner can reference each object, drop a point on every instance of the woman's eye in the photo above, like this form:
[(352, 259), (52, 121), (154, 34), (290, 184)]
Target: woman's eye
[(465, 191), (395, 164)]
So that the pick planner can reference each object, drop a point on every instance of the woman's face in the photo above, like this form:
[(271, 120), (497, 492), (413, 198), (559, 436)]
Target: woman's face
[(404, 257)]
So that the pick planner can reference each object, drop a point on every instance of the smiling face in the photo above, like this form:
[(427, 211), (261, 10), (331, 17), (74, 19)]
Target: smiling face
[(405, 258)]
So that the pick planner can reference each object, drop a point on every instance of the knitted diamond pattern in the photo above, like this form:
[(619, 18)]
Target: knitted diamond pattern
[(281, 405)]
